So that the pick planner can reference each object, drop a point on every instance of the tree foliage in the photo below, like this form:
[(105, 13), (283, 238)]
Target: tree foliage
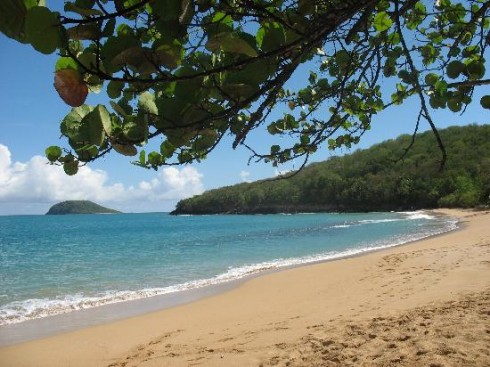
[(79, 207), (185, 73), (369, 180)]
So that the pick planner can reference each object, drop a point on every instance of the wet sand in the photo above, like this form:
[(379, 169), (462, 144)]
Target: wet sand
[(426, 303)]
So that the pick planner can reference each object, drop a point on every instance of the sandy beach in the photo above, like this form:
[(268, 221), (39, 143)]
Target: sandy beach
[(422, 304)]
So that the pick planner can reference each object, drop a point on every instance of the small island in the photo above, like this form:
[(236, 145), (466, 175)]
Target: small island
[(79, 207)]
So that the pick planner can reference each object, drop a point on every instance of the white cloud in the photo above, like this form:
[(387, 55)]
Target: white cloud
[(28, 184), (245, 176)]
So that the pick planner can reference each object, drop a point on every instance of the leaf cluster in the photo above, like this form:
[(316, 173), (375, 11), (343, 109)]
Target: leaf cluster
[(185, 73)]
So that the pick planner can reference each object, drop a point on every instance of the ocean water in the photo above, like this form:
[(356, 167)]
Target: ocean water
[(52, 265)]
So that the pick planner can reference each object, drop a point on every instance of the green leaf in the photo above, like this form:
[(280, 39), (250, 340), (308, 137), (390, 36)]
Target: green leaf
[(70, 125), (270, 36), (43, 30), (441, 87), (342, 58), (431, 79), (220, 22), (109, 28), (454, 69), (275, 149), (84, 32), (127, 150), (154, 158), (168, 52), (114, 89), (167, 149), (65, 63), (167, 10), (382, 21), (115, 51), (405, 76), (485, 102), (137, 130), (53, 153), (71, 168), (454, 106), (142, 158), (92, 129), (475, 69), (146, 103), (12, 19), (233, 42), (104, 117)]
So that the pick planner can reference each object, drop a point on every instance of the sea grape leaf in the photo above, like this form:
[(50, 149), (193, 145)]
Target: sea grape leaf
[(233, 42), (220, 23), (84, 32), (12, 19), (101, 113), (167, 10), (454, 69), (382, 21), (116, 48), (485, 102), (92, 126), (168, 52), (53, 153), (65, 63), (271, 36), (475, 69), (127, 150), (70, 168), (146, 102), (70, 86), (136, 130), (42, 29), (114, 88)]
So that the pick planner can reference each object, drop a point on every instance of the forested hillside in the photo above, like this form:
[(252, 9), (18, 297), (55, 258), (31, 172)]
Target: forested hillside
[(372, 179), (79, 207)]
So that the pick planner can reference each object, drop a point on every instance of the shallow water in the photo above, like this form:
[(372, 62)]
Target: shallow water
[(51, 265)]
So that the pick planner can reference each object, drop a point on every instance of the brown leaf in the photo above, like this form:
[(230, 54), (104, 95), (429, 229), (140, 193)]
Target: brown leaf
[(70, 86)]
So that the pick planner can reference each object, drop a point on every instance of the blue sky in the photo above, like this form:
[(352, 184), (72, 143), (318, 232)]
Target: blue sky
[(29, 122)]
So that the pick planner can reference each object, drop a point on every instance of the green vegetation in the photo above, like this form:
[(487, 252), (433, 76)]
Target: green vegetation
[(185, 73), (79, 207), (370, 180)]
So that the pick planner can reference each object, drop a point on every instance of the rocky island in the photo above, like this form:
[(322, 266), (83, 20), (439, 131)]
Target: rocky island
[(79, 207)]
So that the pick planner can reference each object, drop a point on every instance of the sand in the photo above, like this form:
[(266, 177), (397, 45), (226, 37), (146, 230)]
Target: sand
[(422, 304)]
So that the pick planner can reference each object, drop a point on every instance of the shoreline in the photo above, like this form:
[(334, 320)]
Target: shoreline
[(46, 326), (244, 325)]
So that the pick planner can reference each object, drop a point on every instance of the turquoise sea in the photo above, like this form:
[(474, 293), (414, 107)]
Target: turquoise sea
[(52, 265)]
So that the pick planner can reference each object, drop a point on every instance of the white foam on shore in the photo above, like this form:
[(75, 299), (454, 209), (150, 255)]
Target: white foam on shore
[(20, 311)]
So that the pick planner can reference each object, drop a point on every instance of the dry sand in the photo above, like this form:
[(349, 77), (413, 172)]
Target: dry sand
[(423, 304)]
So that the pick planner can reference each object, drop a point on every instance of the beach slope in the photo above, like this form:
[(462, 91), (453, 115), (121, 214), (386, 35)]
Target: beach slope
[(426, 303)]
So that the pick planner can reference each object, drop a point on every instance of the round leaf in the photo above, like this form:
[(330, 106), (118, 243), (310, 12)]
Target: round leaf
[(382, 21), (53, 153), (114, 88), (70, 86), (65, 63), (127, 150), (485, 102), (454, 69), (70, 168), (475, 70), (42, 29)]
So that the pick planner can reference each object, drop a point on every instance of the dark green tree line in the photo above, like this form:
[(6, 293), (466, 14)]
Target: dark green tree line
[(370, 180)]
